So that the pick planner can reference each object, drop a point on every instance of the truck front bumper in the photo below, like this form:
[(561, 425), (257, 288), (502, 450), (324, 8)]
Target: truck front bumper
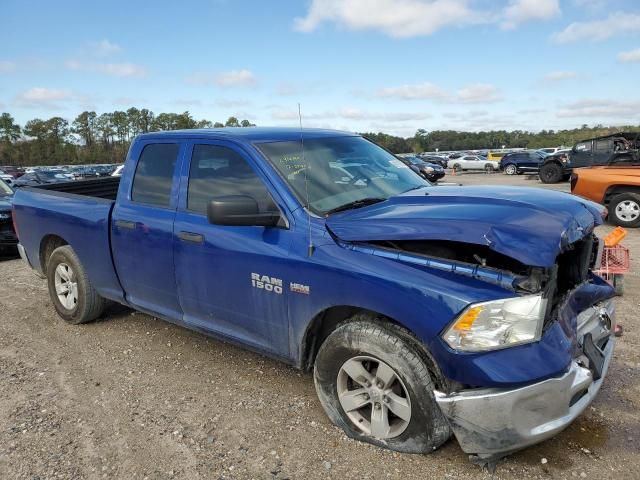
[(493, 422)]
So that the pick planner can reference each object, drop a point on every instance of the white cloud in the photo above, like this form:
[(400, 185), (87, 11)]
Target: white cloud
[(236, 78), (413, 92), (478, 93), (104, 48), (43, 97), (7, 67), (410, 18), (631, 56), (232, 78), (397, 18), (122, 70), (627, 111), (521, 11), (615, 24), (348, 113), (559, 76)]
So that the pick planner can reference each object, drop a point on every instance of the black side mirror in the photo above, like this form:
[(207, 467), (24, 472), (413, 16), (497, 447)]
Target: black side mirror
[(240, 210)]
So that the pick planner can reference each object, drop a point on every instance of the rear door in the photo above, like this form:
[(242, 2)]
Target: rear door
[(602, 151), (231, 279), (142, 228), (530, 161)]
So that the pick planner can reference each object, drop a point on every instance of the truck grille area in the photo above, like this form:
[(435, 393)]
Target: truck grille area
[(574, 264)]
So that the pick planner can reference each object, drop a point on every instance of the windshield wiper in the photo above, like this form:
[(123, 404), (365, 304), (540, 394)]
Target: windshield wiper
[(363, 202)]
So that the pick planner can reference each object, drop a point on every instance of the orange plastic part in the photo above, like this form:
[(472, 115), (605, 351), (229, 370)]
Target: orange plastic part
[(615, 237)]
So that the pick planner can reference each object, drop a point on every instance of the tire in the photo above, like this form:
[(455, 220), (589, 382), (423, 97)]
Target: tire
[(511, 169), (550, 173), (81, 303), (457, 168), (618, 284), (373, 344), (488, 168), (624, 210)]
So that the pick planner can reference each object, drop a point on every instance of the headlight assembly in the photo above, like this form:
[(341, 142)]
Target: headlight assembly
[(498, 324)]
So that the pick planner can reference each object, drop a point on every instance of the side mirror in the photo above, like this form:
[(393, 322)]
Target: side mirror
[(240, 210)]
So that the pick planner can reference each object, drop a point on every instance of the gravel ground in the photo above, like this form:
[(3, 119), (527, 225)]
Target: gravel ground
[(131, 396)]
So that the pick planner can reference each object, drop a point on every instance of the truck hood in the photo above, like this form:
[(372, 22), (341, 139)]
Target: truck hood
[(531, 225)]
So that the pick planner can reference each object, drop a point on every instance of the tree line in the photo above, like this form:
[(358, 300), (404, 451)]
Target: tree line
[(89, 138), (105, 138)]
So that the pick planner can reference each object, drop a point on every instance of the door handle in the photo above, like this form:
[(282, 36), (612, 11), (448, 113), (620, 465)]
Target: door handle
[(191, 237), (125, 225)]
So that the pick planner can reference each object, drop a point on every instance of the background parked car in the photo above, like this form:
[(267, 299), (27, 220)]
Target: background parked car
[(472, 162), (521, 162), (430, 171), (40, 177), (617, 187), (495, 156), (8, 237), (434, 159), (118, 171)]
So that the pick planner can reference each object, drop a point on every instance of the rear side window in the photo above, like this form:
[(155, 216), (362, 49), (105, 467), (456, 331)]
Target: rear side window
[(220, 171), (603, 145), (154, 174)]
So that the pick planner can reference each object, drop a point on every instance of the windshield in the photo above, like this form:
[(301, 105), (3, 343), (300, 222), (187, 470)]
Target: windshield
[(5, 189), (341, 170)]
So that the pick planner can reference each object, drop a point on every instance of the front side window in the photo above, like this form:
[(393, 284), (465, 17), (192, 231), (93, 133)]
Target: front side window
[(154, 174), (220, 171), (583, 147), (337, 171)]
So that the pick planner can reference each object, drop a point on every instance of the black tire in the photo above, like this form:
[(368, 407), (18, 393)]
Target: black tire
[(550, 173), (510, 169), (457, 168), (489, 168), (427, 427), (618, 284), (632, 200), (89, 304)]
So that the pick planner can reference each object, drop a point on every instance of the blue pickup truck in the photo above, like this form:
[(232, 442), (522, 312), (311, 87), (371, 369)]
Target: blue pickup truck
[(423, 311)]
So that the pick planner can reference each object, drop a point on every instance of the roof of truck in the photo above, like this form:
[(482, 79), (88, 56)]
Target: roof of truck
[(249, 134)]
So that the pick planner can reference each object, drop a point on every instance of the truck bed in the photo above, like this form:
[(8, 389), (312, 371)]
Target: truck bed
[(106, 187), (78, 214)]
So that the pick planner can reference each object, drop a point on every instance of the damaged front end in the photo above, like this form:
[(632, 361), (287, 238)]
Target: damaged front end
[(506, 396)]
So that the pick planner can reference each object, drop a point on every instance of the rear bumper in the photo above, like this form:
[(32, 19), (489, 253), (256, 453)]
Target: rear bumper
[(490, 422), (25, 258)]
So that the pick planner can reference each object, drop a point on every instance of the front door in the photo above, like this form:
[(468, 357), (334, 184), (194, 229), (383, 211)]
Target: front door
[(142, 229), (231, 279), (581, 155)]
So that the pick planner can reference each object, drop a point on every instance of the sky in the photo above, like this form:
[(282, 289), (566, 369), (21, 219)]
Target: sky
[(359, 65)]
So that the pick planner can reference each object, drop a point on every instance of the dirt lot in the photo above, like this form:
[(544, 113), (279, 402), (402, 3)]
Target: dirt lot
[(135, 397)]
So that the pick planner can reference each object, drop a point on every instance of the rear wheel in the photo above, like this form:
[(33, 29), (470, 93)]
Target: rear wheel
[(618, 284), (624, 210), (71, 292), (510, 169), (550, 173), (373, 382)]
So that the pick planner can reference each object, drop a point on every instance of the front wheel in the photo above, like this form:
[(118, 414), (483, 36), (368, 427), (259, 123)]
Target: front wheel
[(488, 168), (373, 382), (457, 168), (550, 173), (624, 210), (71, 292)]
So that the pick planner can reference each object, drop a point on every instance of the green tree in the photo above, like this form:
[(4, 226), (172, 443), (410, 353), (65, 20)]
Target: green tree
[(9, 130), (84, 126), (232, 122)]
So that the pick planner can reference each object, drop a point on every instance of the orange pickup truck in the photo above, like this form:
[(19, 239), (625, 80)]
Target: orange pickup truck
[(616, 187)]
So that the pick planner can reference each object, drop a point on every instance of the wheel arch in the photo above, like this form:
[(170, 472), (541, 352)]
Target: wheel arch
[(617, 189), (327, 320), (47, 245)]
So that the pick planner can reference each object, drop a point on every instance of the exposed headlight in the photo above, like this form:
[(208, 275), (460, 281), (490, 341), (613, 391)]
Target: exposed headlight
[(498, 324), (428, 169)]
